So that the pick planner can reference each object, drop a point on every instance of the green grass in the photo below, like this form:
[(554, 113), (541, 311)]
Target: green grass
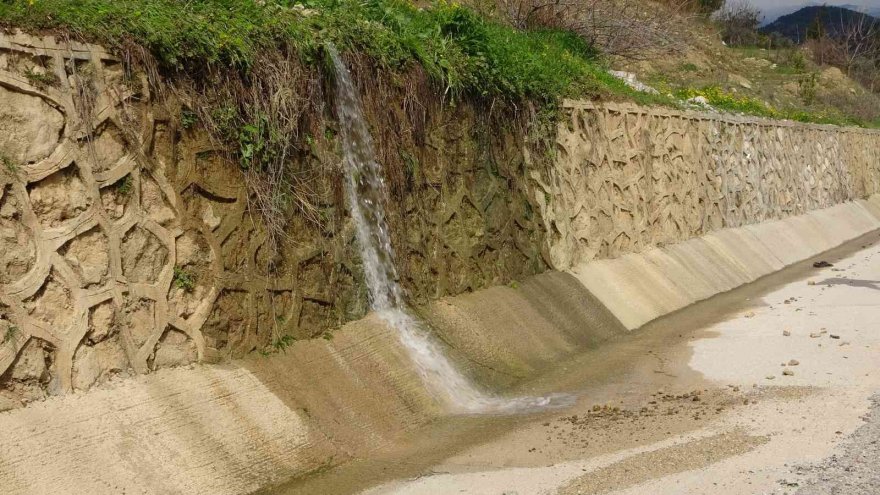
[(730, 102), (463, 53)]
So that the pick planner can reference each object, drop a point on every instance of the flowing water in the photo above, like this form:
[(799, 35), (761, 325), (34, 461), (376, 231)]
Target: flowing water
[(366, 192)]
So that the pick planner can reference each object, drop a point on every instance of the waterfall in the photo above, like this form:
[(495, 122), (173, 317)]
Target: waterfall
[(366, 192)]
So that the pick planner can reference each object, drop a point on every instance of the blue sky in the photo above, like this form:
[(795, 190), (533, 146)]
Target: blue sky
[(774, 8)]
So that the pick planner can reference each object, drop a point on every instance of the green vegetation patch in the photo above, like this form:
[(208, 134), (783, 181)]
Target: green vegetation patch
[(124, 187), (464, 53), (461, 50), (9, 164), (730, 102), (184, 279), (10, 334)]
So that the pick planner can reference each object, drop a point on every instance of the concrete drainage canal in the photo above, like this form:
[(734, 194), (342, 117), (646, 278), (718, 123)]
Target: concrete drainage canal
[(618, 299)]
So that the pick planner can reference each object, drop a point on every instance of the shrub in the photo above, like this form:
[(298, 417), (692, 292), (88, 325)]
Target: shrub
[(698, 6), (807, 88), (617, 28), (709, 6)]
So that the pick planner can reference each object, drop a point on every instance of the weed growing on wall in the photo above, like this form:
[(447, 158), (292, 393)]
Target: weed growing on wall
[(9, 164), (124, 187), (10, 334), (188, 118), (183, 279), (41, 79)]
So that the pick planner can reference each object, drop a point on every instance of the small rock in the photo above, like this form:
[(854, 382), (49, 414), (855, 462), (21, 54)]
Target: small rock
[(787, 372), (811, 283), (834, 336), (822, 264), (786, 333), (771, 377), (211, 220), (699, 100), (740, 80), (794, 362), (815, 335)]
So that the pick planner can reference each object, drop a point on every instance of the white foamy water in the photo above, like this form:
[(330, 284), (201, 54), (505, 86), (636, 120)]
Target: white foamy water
[(366, 193)]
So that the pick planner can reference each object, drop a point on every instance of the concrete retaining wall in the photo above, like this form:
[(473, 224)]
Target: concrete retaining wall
[(629, 178), (641, 287), (234, 428), (645, 212)]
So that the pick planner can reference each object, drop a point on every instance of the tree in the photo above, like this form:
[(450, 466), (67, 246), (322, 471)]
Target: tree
[(816, 30), (710, 6), (859, 39), (739, 23)]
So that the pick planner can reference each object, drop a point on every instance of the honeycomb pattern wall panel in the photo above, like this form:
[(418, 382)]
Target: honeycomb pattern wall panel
[(627, 178), (124, 246), (127, 243)]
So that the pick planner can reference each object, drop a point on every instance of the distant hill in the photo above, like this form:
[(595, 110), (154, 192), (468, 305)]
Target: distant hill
[(872, 11), (794, 26)]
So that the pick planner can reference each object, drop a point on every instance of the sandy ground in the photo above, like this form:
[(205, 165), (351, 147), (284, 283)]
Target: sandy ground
[(761, 390), (856, 471)]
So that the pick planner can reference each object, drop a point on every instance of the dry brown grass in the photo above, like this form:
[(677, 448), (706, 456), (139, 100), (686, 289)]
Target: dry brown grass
[(619, 28), (265, 120)]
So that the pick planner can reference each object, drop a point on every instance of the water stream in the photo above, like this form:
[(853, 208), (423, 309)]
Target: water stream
[(366, 193)]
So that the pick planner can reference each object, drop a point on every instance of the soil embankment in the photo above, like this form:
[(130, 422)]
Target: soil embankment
[(150, 341)]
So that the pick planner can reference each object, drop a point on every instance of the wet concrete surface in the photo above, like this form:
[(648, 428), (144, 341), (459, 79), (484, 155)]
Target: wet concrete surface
[(728, 395)]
